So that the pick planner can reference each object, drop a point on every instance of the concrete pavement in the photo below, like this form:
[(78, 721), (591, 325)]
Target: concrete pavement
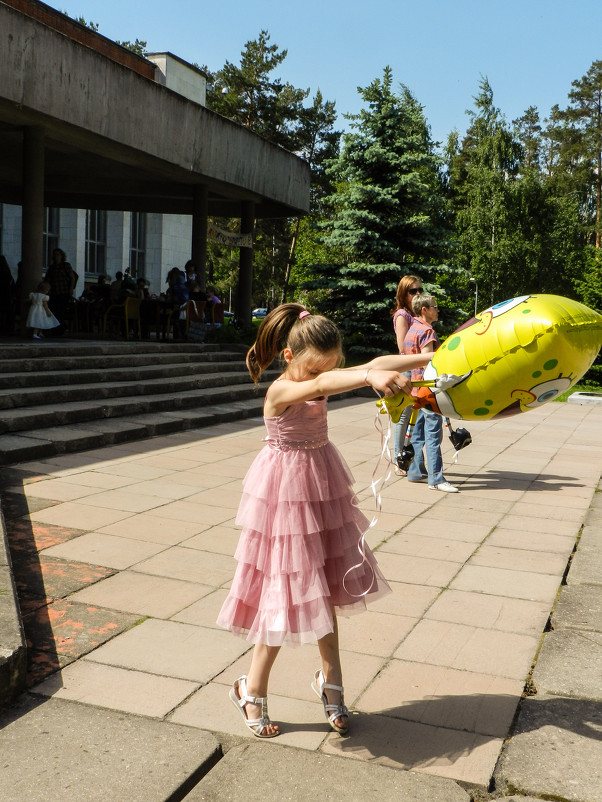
[(133, 556)]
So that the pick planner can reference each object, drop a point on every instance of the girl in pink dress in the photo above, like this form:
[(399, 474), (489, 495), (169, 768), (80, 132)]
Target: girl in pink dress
[(298, 558)]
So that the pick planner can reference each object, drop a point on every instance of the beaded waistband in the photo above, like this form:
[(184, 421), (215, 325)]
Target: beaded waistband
[(297, 445)]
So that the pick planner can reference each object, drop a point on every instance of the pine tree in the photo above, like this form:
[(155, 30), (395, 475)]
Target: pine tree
[(387, 213), (249, 94), (486, 199)]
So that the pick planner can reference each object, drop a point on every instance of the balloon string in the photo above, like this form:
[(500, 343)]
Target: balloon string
[(378, 482)]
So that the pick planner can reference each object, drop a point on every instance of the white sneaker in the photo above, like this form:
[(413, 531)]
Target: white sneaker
[(445, 486)]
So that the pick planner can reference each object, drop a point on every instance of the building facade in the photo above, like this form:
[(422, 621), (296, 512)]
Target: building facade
[(100, 242), (115, 158)]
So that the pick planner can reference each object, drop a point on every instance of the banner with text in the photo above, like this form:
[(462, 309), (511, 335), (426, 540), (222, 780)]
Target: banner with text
[(230, 238)]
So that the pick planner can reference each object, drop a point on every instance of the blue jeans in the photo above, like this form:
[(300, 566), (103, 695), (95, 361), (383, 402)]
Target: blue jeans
[(426, 439), (399, 428)]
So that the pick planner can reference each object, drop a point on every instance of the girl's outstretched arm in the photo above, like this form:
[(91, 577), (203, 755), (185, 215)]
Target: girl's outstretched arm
[(401, 362), (384, 374)]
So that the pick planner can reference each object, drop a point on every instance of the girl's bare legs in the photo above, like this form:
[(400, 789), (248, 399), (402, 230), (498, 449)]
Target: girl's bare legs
[(262, 661), (331, 668)]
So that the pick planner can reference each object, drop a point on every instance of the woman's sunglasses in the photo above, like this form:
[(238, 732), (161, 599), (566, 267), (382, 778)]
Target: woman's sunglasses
[(415, 291)]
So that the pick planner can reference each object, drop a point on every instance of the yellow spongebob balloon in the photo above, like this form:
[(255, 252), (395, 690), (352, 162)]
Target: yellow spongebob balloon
[(513, 357)]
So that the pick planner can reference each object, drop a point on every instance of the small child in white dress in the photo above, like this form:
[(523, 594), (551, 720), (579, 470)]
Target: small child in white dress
[(39, 316)]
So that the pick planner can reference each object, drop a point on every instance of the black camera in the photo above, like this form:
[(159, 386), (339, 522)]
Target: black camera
[(404, 457), (460, 438)]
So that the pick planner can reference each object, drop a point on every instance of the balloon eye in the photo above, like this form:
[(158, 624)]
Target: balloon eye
[(546, 396)]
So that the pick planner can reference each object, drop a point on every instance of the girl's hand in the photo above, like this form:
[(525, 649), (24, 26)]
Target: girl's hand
[(388, 382)]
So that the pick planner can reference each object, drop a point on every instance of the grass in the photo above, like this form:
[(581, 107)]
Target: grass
[(580, 388)]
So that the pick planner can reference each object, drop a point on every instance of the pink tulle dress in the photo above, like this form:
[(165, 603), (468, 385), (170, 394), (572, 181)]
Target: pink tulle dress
[(300, 531)]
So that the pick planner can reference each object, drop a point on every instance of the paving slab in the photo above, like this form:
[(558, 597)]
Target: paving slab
[(27, 537), (591, 534), (502, 654), (446, 709), (587, 561), (579, 607), (92, 754), (564, 665), (441, 751), (256, 772), (556, 751)]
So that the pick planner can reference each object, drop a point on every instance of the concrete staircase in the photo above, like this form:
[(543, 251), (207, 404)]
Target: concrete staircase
[(71, 396)]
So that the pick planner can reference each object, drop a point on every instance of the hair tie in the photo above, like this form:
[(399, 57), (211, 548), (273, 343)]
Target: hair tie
[(303, 313)]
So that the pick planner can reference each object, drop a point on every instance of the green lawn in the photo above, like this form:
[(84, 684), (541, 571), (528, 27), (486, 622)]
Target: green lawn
[(580, 388)]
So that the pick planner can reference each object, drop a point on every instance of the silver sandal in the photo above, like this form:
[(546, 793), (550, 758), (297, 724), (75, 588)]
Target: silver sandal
[(332, 712), (256, 725)]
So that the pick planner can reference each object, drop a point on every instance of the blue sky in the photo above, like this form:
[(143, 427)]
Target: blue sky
[(530, 50)]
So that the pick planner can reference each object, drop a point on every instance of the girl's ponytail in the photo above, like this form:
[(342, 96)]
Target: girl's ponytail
[(272, 338)]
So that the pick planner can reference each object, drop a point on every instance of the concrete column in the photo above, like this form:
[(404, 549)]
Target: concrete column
[(32, 221), (245, 269), (199, 232)]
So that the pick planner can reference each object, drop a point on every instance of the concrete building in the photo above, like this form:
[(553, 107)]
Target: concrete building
[(115, 158)]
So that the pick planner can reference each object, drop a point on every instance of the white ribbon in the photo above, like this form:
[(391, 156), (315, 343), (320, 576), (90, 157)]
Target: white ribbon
[(376, 485)]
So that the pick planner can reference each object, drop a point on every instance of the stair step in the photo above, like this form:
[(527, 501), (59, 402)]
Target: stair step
[(76, 360), (38, 444), (89, 374), (72, 396), (100, 391), (48, 349), (61, 413)]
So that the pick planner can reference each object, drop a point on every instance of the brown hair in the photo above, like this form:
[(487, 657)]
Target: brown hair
[(402, 290), (282, 328), (44, 287)]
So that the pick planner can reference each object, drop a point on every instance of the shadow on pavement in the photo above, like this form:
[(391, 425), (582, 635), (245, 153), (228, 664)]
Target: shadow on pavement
[(446, 728)]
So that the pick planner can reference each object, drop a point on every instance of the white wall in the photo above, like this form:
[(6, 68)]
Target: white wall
[(11, 236), (180, 77), (176, 242)]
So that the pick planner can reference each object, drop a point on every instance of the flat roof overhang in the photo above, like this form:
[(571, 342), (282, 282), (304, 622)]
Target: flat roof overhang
[(115, 139)]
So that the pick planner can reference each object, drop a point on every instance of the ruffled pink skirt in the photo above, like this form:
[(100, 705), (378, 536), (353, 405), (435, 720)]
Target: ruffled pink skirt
[(298, 554)]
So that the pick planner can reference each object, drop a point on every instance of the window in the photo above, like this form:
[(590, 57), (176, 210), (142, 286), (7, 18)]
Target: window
[(51, 232), (138, 244), (96, 241)]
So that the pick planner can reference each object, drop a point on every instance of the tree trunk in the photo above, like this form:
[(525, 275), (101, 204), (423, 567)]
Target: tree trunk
[(289, 263)]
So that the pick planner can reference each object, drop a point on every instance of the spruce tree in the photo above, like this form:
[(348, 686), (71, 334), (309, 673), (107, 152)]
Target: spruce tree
[(387, 214)]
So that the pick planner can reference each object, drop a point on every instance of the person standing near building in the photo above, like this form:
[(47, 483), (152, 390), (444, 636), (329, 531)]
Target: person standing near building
[(62, 280), (428, 431)]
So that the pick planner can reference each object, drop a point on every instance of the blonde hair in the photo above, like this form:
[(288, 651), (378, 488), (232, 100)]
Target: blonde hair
[(283, 328), (420, 300)]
